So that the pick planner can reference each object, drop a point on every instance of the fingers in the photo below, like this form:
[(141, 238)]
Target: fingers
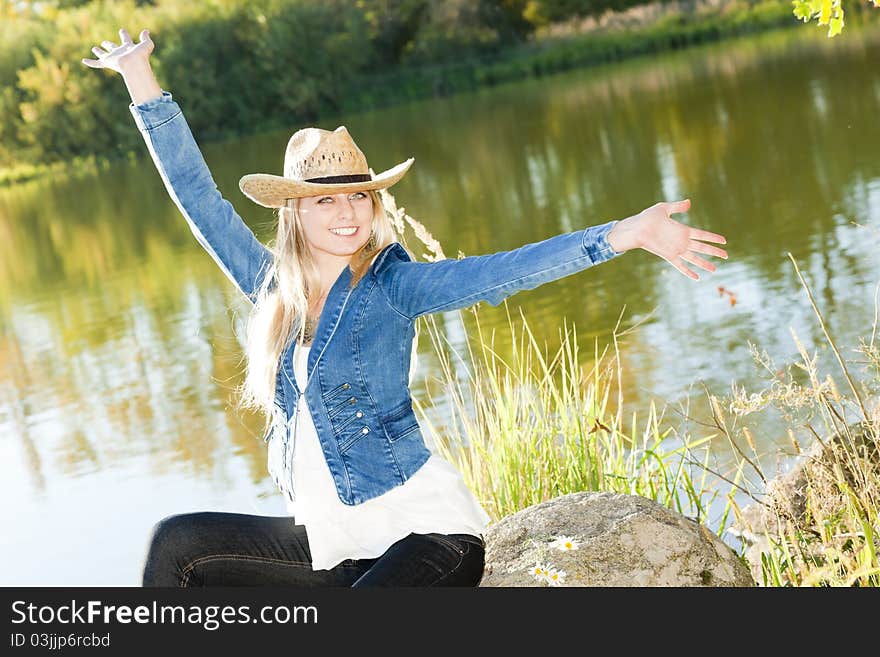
[(107, 47), (697, 234), (678, 206), (686, 271), (708, 249), (698, 261)]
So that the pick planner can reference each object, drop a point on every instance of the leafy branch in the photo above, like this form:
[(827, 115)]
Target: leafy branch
[(829, 12)]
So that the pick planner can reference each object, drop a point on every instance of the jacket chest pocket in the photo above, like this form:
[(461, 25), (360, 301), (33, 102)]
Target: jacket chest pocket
[(347, 412)]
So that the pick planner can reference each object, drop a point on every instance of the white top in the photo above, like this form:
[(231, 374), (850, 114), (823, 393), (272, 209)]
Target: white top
[(434, 499)]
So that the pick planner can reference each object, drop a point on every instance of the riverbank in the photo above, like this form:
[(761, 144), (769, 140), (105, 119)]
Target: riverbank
[(614, 36), (653, 28), (24, 172)]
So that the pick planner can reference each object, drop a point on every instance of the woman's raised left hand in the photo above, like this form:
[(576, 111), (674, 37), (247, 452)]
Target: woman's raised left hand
[(655, 231)]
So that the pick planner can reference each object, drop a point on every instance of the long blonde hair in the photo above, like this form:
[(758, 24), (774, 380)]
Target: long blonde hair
[(290, 285)]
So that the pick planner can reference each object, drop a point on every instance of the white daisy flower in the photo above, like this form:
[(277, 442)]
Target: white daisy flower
[(555, 577), (565, 543), (540, 572)]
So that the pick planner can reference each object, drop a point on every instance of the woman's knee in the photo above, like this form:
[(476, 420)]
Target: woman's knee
[(170, 542)]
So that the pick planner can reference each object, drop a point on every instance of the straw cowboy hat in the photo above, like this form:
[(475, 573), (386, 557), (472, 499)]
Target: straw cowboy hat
[(319, 162)]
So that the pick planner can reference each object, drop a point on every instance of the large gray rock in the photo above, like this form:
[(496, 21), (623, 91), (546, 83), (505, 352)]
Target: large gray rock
[(624, 540)]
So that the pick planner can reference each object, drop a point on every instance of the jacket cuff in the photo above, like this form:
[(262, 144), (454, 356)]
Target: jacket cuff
[(596, 242), (155, 111)]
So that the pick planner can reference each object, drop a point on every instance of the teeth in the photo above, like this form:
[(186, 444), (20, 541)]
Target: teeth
[(344, 231)]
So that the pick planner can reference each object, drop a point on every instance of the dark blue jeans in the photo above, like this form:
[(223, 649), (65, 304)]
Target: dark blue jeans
[(235, 549)]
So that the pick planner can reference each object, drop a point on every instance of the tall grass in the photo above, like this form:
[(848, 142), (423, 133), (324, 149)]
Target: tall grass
[(524, 424), (530, 426), (820, 525)]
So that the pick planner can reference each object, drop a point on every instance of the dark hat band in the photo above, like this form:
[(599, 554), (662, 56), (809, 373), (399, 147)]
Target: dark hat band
[(351, 178)]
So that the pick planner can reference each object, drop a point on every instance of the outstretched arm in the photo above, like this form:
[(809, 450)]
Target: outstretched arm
[(419, 288), (211, 218)]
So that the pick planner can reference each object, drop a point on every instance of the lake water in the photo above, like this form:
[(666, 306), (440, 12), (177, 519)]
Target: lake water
[(118, 347)]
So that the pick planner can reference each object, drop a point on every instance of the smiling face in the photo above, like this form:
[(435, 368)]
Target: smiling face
[(337, 224)]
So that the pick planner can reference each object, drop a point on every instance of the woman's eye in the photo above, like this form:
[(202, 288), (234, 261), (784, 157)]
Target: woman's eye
[(360, 195), (326, 198)]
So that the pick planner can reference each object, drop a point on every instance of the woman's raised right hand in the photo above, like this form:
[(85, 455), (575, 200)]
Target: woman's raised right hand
[(119, 57)]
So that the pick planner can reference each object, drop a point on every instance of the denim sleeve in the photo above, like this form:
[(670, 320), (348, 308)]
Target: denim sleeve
[(212, 219), (419, 288)]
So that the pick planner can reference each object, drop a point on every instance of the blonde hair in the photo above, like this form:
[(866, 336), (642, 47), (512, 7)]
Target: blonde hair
[(283, 299)]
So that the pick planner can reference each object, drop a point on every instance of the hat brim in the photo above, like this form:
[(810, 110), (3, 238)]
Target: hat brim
[(273, 191)]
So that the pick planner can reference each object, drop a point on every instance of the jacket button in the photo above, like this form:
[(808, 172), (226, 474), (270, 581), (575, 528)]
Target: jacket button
[(365, 430), (359, 414), (352, 400), (345, 386)]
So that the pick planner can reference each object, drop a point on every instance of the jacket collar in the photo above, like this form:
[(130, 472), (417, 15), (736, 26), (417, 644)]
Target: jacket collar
[(331, 313)]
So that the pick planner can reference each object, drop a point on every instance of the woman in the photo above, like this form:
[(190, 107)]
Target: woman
[(328, 349)]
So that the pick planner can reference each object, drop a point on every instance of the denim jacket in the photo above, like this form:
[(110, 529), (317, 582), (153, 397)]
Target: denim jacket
[(357, 386)]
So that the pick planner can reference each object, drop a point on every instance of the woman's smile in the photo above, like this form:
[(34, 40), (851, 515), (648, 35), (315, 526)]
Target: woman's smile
[(345, 231)]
